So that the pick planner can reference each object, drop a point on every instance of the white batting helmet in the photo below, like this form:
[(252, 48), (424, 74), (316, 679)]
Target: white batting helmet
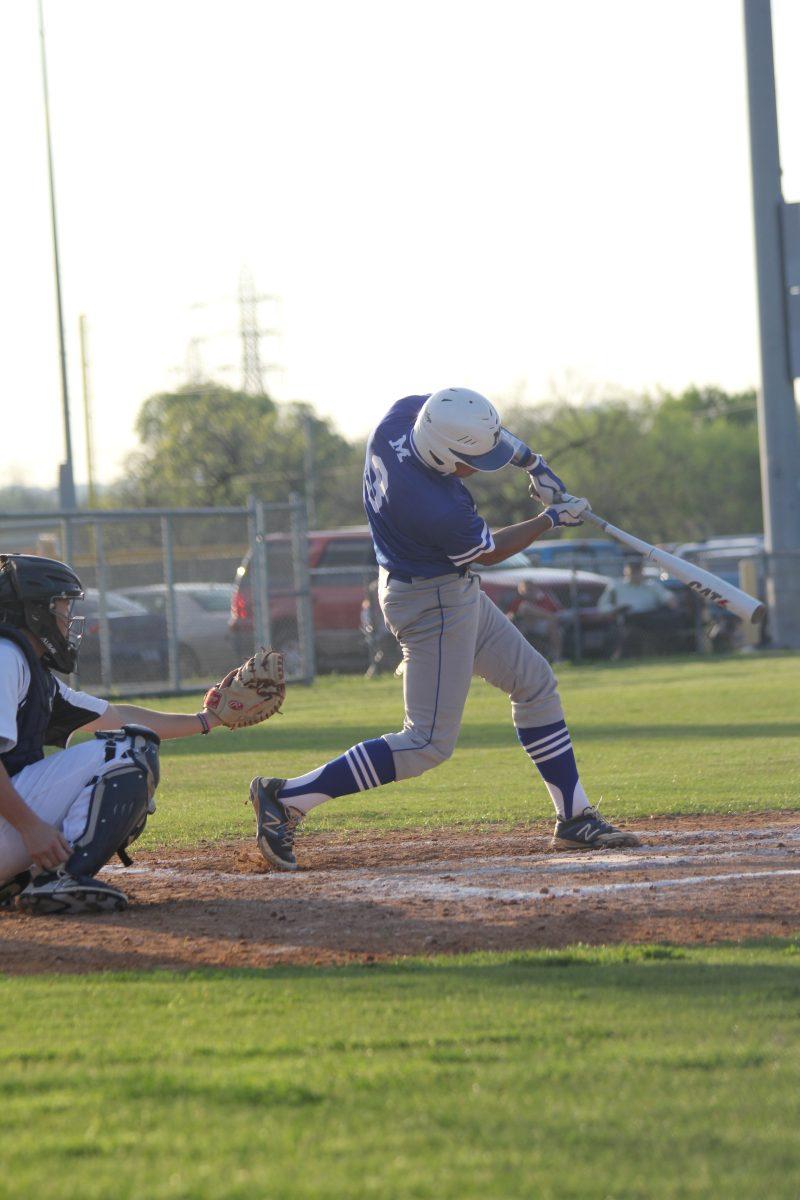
[(457, 425)]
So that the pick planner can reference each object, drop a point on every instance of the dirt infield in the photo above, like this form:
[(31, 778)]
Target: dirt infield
[(366, 898)]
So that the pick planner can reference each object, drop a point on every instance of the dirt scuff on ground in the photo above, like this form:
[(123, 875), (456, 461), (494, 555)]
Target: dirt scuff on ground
[(365, 898)]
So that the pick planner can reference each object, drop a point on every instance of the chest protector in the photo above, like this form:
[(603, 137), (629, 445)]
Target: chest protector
[(35, 711)]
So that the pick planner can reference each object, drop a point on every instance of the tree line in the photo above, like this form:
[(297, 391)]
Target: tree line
[(672, 467), (668, 467)]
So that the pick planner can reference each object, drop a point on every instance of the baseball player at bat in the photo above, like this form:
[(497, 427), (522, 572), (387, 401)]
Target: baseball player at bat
[(62, 818), (427, 533)]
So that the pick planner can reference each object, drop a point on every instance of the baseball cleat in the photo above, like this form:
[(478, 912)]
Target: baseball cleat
[(277, 823), (590, 832), (54, 892), (12, 888)]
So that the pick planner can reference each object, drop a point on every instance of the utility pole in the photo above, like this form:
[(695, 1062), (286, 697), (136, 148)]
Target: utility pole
[(309, 470), (777, 251), (66, 481), (87, 407), (195, 371)]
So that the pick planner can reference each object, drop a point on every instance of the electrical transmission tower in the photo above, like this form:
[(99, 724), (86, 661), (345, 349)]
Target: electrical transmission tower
[(251, 333)]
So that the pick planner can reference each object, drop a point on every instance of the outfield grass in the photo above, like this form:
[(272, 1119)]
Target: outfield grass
[(642, 1074), (664, 736)]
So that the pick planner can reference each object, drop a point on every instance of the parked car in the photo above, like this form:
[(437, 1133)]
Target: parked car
[(202, 611), (722, 556), (588, 554), (138, 640), (342, 565), (595, 633)]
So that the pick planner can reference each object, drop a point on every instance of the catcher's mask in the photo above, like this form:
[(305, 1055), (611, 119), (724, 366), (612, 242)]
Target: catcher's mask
[(30, 589)]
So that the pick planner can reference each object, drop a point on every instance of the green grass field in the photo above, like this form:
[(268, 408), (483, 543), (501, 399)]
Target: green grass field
[(590, 1074), (647, 1073)]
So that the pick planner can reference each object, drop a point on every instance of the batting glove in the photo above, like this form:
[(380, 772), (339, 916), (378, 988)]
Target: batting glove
[(569, 511), (545, 486)]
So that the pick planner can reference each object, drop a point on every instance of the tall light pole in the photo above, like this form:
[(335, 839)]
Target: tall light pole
[(66, 481), (87, 408), (777, 412)]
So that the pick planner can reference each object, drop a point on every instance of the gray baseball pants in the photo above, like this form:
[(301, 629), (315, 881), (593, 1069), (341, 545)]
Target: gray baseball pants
[(450, 630)]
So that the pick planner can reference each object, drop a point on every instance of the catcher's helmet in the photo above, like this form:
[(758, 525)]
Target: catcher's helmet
[(457, 425), (29, 587)]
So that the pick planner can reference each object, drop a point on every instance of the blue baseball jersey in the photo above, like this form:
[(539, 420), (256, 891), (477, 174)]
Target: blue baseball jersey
[(423, 523)]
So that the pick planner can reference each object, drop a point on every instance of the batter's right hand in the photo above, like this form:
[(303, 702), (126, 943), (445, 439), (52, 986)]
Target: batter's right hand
[(569, 511), (46, 845)]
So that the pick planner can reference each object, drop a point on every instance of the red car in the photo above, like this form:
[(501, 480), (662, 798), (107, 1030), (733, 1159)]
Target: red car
[(342, 565)]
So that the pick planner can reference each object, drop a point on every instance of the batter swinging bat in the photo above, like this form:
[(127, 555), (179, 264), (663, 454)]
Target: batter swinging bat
[(706, 585)]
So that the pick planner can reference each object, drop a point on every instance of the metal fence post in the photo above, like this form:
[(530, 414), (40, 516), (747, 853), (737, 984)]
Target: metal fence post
[(252, 537), (106, 676), (66, 556), (67, 543), (577, 633), (302, 586), (169, 608), (260, 576)]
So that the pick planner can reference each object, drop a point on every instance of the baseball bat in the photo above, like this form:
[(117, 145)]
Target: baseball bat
[(703, 583)]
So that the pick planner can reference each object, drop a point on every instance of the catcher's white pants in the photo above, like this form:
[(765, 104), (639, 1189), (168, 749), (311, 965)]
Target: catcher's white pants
[(450, 630), (58, 789)]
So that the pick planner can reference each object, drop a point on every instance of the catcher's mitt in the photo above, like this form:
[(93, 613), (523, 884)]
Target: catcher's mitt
[(251, 693)]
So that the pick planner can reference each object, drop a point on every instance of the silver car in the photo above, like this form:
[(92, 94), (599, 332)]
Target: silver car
[(202, 612)]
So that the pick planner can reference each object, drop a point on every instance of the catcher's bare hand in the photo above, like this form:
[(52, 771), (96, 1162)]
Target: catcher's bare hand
[(46, 845), (250, 693)]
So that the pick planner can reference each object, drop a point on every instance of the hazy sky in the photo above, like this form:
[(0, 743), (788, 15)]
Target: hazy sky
[(518, 196)]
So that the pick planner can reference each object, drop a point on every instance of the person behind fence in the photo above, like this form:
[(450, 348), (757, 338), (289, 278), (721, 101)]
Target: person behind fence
[(63, 817), (382, 648), (538, 623), (650, 609)]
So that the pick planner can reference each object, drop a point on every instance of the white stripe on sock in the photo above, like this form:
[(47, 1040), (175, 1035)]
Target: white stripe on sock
[(366, 765), (353, 765), (561, 750), (562, 741), (541, 742)]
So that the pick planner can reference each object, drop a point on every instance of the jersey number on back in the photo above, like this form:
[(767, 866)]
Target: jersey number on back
[(377, 482)]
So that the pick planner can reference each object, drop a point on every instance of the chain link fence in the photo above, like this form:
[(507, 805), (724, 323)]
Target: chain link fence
[(163, 606), (176, 597)]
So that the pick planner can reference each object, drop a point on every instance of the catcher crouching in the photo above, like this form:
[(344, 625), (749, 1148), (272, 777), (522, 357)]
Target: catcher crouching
[(64, 817)]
